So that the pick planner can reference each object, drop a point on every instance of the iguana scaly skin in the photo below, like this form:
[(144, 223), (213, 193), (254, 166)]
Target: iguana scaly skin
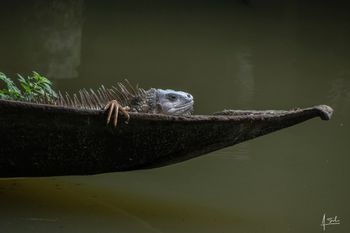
[(126, 98)]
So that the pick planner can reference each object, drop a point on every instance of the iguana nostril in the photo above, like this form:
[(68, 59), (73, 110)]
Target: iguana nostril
[(189, 96)]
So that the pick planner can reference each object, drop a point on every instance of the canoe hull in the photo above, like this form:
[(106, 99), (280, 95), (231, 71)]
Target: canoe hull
[(43, 140)]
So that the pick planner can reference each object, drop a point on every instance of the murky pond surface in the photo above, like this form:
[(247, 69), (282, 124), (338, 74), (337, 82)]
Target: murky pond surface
[(239, 55)]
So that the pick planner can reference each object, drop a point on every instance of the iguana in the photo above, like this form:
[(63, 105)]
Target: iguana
[(126, 98)]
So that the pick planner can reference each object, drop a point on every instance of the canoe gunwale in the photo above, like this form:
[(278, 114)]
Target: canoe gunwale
[(323, 111)]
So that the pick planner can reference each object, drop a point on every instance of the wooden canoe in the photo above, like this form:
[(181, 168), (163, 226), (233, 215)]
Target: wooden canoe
[(46, 140)]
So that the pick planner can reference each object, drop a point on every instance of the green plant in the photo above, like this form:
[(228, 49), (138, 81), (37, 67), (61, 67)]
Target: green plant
[(33, 87), (11, 92)]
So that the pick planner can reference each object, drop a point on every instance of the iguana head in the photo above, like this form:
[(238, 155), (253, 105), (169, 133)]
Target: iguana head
[(172, 102)]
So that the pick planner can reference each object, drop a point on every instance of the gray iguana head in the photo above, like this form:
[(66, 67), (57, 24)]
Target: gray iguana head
[(174, 102), (170, 102)]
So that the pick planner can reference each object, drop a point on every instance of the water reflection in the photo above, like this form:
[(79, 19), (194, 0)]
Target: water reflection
[(39, 204), (58, 27), (245, 77), (62, 205)]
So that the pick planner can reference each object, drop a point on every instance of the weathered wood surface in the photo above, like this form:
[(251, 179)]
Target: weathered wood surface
[(44, 140)]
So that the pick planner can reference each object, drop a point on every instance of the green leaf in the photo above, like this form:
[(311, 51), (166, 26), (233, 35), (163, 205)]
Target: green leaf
[(12, 92), (34, 87)]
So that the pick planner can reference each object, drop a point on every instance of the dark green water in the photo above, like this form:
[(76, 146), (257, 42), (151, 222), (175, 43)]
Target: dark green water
[(239, 55)]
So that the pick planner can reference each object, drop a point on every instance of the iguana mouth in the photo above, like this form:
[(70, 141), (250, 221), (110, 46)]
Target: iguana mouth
[(184, 108)]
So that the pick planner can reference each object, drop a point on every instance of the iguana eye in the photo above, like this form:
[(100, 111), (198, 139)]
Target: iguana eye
[(172, 97)]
